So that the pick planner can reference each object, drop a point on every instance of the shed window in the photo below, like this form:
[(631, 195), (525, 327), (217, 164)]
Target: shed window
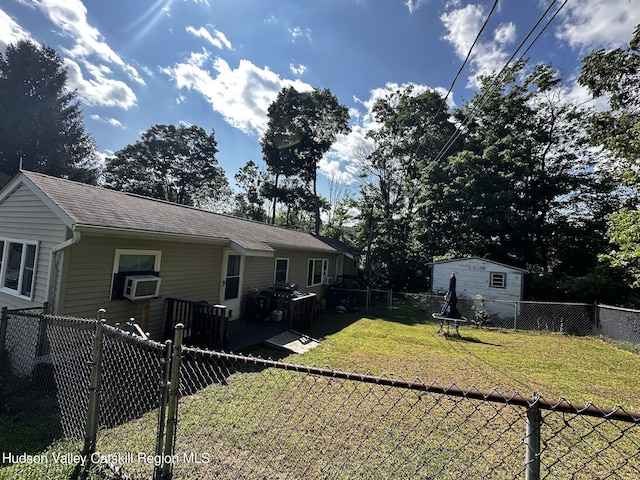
[(282, 270), (318, 269), (18, 267), (132, 262), (498, 280)]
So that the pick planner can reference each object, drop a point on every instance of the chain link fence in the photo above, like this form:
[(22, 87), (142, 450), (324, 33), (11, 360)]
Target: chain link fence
[(572, 318), (620, 324), (262, 419), (151, 410)]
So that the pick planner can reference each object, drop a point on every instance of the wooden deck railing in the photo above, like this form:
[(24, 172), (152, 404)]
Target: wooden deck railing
[(302, 311), (205, 325)]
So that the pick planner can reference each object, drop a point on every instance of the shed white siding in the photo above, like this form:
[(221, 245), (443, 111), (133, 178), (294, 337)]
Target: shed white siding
[(473, 277), (23, 216)]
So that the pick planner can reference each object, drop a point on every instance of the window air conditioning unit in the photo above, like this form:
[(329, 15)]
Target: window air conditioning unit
[(327, 280), (141, 287)]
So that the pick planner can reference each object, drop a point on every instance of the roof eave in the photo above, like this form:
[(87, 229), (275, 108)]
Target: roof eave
[(151, 235)]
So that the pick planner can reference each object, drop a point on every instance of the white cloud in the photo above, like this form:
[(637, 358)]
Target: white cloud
[(109, 121), (297, 32), (218, 39), (99, 90), (71, 17), (413, 5), (345, 157), (592, 24), (10, 31), (299, 70), (488, 56), (241, 95)]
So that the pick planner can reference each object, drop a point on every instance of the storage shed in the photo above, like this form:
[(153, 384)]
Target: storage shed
[(478, 276)]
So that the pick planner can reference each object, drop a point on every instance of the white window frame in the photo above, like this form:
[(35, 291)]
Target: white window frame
[(130, 251), (23, 267), (125, 251), (494, 276), (275, 269), (312, 273)]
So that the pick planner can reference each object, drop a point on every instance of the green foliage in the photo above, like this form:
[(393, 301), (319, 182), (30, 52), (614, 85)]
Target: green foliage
[(302, 127), (616, 76), (415, 126), (602, 284), (523, 181), (169, 163), (624, 232), (41, 122), (250, 203)]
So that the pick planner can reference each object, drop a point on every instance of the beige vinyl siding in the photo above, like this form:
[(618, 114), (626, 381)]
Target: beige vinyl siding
[(259, 271), (23, 216), (188, 271)]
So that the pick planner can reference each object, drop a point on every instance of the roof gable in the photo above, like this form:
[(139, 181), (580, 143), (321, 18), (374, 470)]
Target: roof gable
[(462, 259), (81, 205)]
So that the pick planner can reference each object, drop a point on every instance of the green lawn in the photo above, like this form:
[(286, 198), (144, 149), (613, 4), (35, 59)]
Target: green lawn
[(249, 420), (405, 343)]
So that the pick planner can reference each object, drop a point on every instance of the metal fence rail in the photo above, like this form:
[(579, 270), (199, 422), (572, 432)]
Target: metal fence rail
[(156, 410), (266, 419)]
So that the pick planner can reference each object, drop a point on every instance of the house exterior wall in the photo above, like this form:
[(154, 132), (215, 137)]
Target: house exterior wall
[(259, 272), (349, 266), (189, 271), (23, 216), (473, 278)]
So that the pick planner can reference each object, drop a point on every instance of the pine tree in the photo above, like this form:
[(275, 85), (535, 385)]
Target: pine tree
[(41, 122)]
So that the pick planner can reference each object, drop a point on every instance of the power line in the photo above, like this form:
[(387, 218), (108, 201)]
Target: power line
[(499, 77), (444, 100)]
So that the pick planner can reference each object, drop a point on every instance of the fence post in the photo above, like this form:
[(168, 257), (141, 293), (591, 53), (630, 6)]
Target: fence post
[(4, 319), (390, 301), (534, 420), (368, 300), (93, 410), (172, 407), (164, 388)]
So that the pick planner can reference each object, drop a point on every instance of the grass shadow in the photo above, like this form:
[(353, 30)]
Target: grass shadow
[(468, 339)]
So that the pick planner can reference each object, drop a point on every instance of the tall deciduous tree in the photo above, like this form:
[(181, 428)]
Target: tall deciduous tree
[(176, 164), (41, 122), (302, 127), (522, 190), (616, 75), (414, 128), (250, 203)]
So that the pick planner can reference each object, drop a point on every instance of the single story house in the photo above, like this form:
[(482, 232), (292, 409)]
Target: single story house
[(478, 276), (80, 248)]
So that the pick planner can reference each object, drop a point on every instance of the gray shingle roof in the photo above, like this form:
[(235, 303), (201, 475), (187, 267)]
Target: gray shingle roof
[(91, 206)]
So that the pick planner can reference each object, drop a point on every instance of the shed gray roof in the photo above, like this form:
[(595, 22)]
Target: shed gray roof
[(81, 205), (462, 259)]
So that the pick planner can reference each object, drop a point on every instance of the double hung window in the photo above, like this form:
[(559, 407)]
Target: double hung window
[(18, 267), (318, 270)]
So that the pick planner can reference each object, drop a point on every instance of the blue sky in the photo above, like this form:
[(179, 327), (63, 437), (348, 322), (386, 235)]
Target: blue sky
[(218, 64)]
